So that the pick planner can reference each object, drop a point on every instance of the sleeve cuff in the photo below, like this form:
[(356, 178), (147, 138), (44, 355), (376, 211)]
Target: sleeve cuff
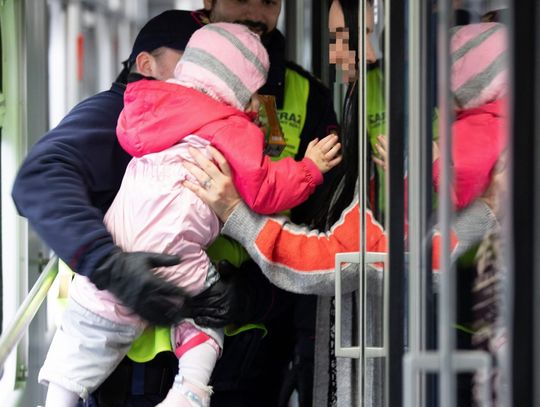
[(243, 225), (313, 171), (472, 224)]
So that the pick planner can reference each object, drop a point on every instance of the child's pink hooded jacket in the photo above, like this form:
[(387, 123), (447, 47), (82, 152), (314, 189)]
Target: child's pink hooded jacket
[(153, 211), (149, 123), (478, 139), (479, 82)]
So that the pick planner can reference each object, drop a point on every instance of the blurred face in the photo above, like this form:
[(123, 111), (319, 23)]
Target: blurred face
[(340, 52), (260, 16), (165, 62), (159, 63)]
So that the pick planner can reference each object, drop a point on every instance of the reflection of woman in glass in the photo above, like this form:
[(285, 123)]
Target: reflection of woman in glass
[(301, 259), (345, 59)]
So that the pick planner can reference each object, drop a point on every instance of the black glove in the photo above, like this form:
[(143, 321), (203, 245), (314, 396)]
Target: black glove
[(240, 296), (129, 276), (220, 304), (216, 306)]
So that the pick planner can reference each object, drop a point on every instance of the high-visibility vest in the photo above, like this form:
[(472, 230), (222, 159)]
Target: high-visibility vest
[(376, 125)]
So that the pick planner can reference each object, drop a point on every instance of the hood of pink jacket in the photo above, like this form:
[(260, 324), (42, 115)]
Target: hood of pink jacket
[(479, 136), (497, 108), (158, 115)]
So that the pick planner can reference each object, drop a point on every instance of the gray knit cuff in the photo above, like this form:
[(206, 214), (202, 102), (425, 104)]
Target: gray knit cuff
[(243, 225), (472, 224)]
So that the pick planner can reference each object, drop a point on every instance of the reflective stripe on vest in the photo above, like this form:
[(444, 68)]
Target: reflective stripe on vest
[(376, 125), (292, 117), (375, 107)]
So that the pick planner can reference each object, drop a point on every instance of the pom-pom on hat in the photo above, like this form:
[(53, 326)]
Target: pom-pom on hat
[(226, 61), (479, 64)]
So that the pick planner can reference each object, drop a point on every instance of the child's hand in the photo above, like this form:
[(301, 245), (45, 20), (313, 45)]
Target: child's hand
[(436, 153), (324, 153), (497, 190), (382, 148)]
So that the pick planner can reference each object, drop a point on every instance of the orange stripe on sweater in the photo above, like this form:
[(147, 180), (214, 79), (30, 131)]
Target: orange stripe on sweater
[(291, 247), (316, 252), (436, 261)]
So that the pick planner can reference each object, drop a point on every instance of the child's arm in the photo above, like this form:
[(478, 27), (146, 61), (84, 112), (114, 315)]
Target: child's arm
[(266, 186), (382, 151)]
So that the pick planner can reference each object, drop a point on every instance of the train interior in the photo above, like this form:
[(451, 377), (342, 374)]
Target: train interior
[(418, 333)]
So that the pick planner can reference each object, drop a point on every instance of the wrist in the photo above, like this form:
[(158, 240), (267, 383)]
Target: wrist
[(493, 204), (101, 275), (240, 223), (314, 172), (227, 211)]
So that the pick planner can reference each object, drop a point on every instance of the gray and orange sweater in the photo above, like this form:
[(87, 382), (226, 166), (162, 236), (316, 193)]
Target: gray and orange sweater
[(301, 260)]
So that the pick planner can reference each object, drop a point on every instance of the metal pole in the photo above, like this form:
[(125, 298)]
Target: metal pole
[(447, 292), (26, 312), (362, 167)]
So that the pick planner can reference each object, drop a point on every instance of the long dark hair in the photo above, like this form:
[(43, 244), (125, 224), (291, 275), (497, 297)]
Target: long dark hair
[(341, 191)]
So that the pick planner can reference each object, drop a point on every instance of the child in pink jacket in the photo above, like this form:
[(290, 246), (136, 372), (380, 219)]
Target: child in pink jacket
[(479, 82), (479, 86), (222, 68)]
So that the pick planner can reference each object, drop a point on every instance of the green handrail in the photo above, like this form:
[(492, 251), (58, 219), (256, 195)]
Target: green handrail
[(26, 312)]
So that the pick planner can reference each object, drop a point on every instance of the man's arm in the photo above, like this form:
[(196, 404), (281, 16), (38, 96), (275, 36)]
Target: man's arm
[(68, 180), (65, 186)]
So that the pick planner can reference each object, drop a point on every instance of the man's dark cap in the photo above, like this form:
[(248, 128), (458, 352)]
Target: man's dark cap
[(172, 29)]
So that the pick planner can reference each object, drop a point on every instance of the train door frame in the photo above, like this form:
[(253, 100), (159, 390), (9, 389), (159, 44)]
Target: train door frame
[(523, 227), (36, 106), (13, 149), (395, 96)]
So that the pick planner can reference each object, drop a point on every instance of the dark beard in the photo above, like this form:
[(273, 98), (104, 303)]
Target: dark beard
[(258, 26)]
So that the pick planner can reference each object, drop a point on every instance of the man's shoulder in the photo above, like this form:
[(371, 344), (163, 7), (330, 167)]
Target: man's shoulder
[(111, 100), (94, 114), (316, 85), (113, 94)]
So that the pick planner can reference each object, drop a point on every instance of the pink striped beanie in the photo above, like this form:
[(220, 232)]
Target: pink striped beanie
[(226, 61), (479, 65)]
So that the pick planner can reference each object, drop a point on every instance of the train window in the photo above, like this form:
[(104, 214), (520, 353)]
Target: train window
[(13, 133)]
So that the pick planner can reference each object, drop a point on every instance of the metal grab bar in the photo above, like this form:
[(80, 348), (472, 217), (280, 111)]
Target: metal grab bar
[(353, 352), (26, 312)]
